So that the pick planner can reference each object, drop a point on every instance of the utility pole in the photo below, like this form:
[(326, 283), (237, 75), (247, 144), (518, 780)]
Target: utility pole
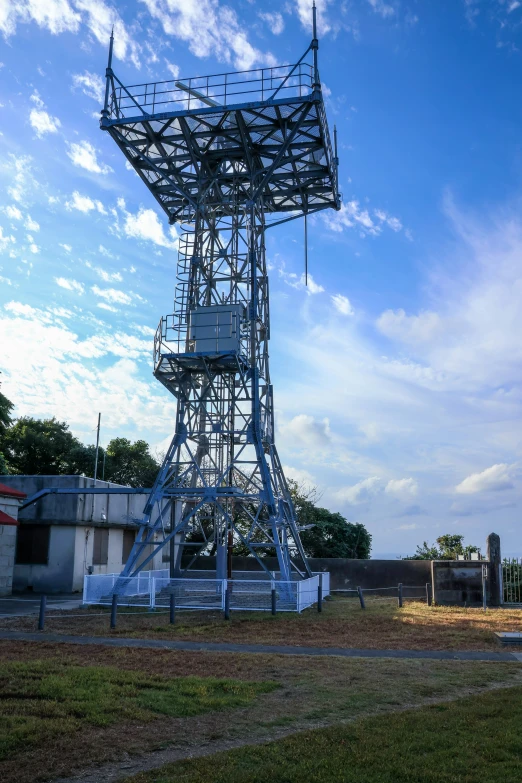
[(97, 447)]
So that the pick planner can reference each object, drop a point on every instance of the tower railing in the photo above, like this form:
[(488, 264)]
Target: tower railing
[(222, 89)]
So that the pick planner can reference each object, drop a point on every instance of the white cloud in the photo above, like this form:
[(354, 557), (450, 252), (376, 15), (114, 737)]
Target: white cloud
[(382, 8), (41, 120), (210, 29), (361, 492), (84, 203), (402, 488), (105, 306), (43, 123), (111, 295), (31, 225), (6, 240), (494, 479), (20, 167), (174, 70), (145, 225), (304, 430), (274, 20), (367, 222), (91, 84), (67, 248), (302, 477), (70, 285), (304, 11), (342, 304), (84, 155), (64, 16), (13, 212), (411, 329), (107, 277), (73, 382), (302, 283)]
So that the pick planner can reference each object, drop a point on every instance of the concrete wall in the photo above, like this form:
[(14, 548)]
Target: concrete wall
[(57, 575), (70, 509), (346, 574), (8, 544), (457, 582)]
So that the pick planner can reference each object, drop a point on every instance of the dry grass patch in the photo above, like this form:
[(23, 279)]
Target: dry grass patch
[(312, 692), (342, 624)]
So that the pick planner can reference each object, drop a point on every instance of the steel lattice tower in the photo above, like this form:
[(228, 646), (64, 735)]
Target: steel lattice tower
[(227, 157)]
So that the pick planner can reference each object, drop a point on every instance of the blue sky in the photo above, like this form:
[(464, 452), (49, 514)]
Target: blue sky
[(397, 373)]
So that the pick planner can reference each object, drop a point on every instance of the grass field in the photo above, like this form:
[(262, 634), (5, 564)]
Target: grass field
[(69, 708), (472, 740), (342, 624)]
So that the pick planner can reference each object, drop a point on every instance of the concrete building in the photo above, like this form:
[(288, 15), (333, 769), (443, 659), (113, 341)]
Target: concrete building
[(63, 537), (10, 500)]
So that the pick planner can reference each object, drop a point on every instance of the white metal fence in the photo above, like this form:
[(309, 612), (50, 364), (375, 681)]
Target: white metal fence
[(152, 589)]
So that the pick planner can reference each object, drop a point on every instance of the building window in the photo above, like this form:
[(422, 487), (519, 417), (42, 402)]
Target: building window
[(32, 544), (129, 537), (100, 552)]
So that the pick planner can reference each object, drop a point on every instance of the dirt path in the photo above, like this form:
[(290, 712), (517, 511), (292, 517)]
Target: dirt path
[(114, 772), (271, 649)]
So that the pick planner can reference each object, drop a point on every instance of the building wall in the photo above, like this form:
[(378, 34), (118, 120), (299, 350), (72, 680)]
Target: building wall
[(69, 509), (7, 545), (57, 575)]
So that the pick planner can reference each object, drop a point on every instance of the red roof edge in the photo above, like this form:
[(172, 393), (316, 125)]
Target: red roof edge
[(5, 519), (10, 492)]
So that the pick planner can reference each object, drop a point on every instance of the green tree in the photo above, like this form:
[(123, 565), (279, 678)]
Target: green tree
[(450, 546), (43, 447), (329, 534), (6, 406), (130, 463)]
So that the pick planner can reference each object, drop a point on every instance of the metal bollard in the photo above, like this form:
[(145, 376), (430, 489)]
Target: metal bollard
[(41, 616), (227, 604), (399, 602), (114, 609), (428, 594), (274, 600), (484, 587), (172, 616), (361, 597), (320, 594)]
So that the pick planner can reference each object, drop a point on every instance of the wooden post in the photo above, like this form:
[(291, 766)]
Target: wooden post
[(399, 602), (41, 616), (227, 603), (361, 597), (114, 609)]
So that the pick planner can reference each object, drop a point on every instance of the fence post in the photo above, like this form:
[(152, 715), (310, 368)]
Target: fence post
[(399, 602), (484, 587), (320, 594), (227, 599), (114, 609), (428, 594), (41, 616), (274, 600), (152, 593), (361, 597), (172, 608)]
